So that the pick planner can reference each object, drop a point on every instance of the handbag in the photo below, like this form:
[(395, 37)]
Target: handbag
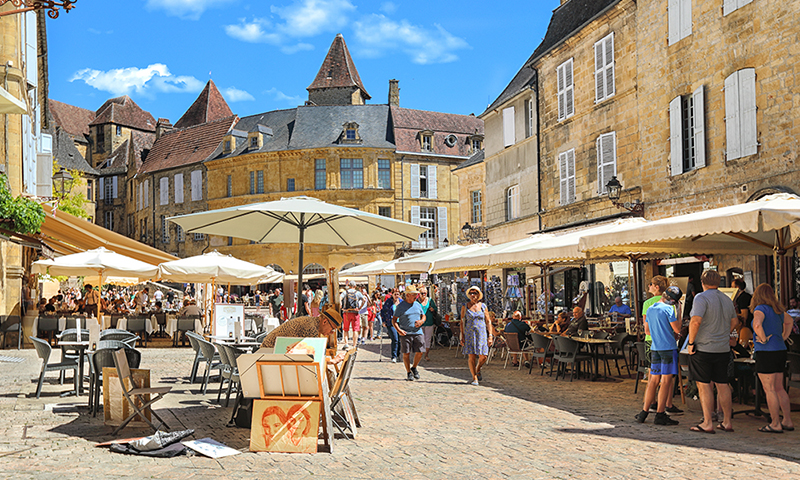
[(437, 319)]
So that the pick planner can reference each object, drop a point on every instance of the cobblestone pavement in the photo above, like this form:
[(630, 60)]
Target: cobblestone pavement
[(514, 425)]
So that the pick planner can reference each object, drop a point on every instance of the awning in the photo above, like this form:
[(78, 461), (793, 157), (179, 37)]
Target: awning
[(67, 234), (10, 104)]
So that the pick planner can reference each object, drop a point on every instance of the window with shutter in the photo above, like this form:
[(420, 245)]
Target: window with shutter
[(512, 202), (562, 177), (687, 132), (114, 189), (508, 126), (740, 114), (566, 90), (679, 14), (197, 185), (178, 180), (432, 186), (100, 191), (729, 6), (604, 68), (441, 224), (108, 195), (163, 190), (529, 119), (606, 160), (415, 221), (571, 176), (414, 167)]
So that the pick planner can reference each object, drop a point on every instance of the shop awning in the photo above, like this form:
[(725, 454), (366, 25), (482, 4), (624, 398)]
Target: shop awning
[(753, 228), (67, 234), (424, 262), (11, 104)]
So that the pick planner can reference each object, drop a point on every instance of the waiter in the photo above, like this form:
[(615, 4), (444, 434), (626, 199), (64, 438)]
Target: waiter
[(91, 299)]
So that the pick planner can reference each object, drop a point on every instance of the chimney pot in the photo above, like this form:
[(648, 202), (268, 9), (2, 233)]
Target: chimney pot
[(394, 92)]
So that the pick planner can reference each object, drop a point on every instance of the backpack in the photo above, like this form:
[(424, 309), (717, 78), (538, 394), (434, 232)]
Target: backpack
[(351, 300)]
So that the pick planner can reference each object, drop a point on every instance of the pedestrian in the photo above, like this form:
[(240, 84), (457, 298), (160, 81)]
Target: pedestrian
[(713, 318), (377, 303), (662, 325), (475, 333), (428, 328), (656, 288), (351, 301), (387, 312), (363, 317), (772, 326), (407, 320)]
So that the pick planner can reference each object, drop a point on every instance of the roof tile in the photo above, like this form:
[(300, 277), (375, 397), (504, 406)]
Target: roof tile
[(74, 120), (209, 106), (124, 111), (188, 145)]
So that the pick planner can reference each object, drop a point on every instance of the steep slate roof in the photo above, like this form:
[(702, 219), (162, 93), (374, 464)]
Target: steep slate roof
[(67, 156), (74, 120), (408, 123), (567, 19), (117, 162), (124, 111), (338, 69), (209, 106), (187, 146), (473, 160)]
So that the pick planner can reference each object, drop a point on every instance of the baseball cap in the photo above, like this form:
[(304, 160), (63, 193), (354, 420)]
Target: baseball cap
[(672, 295)]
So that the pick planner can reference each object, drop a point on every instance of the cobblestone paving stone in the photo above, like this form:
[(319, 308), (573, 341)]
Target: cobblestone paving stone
[(514, 425)]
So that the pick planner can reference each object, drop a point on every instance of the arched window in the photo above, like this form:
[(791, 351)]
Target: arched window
[(313, 268), (276, 267), (349, 265), (512, 202)]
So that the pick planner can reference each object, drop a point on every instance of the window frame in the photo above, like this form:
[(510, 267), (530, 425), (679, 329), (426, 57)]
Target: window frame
[(384, 170), (290, 185), (604, 68), (687, 132), (320, 174), (566, 172), (512, 203), (351, 176), (476, 206), (565, 89), (603, 162)]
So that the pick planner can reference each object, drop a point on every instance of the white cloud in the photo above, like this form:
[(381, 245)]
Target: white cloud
[(144, 81), (301, 19), (187, 9), (233, 94), (282, 97), (388, 7), (378, 34)]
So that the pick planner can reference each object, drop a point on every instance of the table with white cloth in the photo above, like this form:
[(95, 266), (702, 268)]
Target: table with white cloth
[(149, 327), (69, 322), (172, 325)]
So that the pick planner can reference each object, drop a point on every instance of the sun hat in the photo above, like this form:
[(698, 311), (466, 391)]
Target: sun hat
[(333, 316), (411, 289), (480, 294), (672, 295)]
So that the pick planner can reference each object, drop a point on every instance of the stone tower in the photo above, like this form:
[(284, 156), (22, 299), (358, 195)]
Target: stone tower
[(337, 82)]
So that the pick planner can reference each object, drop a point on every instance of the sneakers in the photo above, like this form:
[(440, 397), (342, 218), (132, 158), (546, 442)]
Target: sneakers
[(474, 383), (415, 373), (641, 416), (663, 419), (673, 410), (653, 408), (394, 359), (410, 377)]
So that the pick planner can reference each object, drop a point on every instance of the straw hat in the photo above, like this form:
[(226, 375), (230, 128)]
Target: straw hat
[(333, 316), (411, 289), (480, 294)]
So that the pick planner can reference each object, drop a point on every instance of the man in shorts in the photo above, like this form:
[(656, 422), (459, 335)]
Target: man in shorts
[(351, 301), (408, 319), (713, 318), (662, 325)]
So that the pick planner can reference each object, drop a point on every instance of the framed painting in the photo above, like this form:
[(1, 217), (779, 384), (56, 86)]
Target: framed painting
[(286, 426)]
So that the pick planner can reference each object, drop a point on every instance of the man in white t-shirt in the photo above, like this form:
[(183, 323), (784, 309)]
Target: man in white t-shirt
[(158, 295)]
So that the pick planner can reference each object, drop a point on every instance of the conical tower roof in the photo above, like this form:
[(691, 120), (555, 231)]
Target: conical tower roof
[(209, 106), (338, 69)]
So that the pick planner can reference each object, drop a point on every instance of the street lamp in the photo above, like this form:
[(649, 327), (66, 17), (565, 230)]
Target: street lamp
[(62, 180), (614, 188), (465, 230)]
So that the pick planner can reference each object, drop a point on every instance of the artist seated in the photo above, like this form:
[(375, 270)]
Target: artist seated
[(326, 323)]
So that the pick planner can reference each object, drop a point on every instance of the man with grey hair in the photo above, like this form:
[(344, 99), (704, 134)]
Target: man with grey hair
[(352, 301)]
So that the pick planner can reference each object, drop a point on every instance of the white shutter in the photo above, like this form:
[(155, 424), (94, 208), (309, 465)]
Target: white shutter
[(101, 191), (415, 221), (561, 106), (571, 176), (178, 188), (599, 72), (163, 190), (733, 146), (562, 173), (139, 200), (44, 174), (747, 106), (674, 16), (197, 185), (729, 5), (432, 184), (147, 193), (606, 160), (31, 70), (508, 126), (698, 104), (441, 223), (114, 190), (414, 180), (675, 136), (569, 94), (608, 46), (686, 18)]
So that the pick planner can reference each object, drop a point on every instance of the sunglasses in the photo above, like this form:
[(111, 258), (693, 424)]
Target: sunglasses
[(473, 293)]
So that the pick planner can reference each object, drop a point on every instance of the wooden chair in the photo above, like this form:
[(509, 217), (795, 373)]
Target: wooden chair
[(136, 396), (339, 393)]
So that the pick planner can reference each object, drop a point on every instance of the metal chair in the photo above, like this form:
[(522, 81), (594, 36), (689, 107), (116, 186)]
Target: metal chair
[(136, 396), (43, 350), (11, 323), (567, 353), (541, 350), (48, 326), (513, 348), (230, 370), (183, 325), (138, 325), (208, 351), (794, 369), (642, 363), (617, 352)]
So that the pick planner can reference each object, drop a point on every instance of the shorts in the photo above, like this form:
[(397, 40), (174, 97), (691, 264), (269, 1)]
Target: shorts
[(350, 322), (709, 367), (412, 343), (770, 361), (363, 318), (664, 362)]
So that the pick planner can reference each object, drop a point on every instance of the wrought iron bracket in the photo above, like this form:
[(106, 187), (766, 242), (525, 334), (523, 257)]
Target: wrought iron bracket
[(51, 6)]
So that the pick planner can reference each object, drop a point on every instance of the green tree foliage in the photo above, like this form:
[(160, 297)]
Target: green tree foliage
[(25, 214), (73, 202)]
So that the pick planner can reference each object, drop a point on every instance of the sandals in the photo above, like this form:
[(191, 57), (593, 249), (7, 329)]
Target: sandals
[(698, 428), (722, 427), (787, 429), (768, 429)]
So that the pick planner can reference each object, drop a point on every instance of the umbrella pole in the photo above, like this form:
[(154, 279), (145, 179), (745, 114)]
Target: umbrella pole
[(300, 266), (636, 296), (99, 295)]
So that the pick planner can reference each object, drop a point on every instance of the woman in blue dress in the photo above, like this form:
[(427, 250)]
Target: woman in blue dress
[(475, 333)]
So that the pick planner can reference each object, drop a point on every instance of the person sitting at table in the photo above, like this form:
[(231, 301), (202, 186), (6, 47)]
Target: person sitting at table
[(579, 322), (329, 321), (622, 310), (522, 329), (50, 307), (561, 324), (157, 307), (41, 305), (190, 308), (794, 312)]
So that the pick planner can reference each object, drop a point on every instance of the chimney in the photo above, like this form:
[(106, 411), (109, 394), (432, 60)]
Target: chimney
[(394, 93), (162, 126)]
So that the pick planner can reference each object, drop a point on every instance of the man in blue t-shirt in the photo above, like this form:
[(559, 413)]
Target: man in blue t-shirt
[(620, 308), (408, 319), (662, 325)]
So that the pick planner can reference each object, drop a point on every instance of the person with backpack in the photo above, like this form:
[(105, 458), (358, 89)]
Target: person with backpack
[(352, 302), (387, 312)]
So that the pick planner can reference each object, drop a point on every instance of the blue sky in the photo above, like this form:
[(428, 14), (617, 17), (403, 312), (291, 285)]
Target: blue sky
[(449, 56)]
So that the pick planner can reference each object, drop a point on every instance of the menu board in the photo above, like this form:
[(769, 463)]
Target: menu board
[(225, 316)]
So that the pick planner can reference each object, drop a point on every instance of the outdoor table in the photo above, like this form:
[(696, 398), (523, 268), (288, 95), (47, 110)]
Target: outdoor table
[(172, 326), (246, 345), (594, 347), (81, 347), (756, 410), (150, 326)]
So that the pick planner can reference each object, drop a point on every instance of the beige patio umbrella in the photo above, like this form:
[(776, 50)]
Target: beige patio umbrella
[(215, 267)]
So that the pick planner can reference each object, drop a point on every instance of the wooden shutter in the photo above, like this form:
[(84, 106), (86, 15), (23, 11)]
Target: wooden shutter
[(599, 72), (114, 185), (415, 181), (562, 173), (747, 111), (675, 136), (698, 104), (178, 188), (569, 93), (561, 106), (508, 126), (733, 146), (101, 194), (163, 190), (686, 18), (674, 17), (139, 199), (31, 65), (147, 193), (606, 160), (432, 185), (728, 6), (197, 185), (571, 176), (608, 46), (441, 224), (415, 221)]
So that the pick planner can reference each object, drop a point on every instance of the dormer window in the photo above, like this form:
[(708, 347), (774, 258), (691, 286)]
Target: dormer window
[(426, 140), (253, 142), (227, 146), (475, 143), (350, 133)]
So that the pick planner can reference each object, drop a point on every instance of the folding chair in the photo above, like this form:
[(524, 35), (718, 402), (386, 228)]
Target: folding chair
[(513, 348), (134, 394), (338, 394)]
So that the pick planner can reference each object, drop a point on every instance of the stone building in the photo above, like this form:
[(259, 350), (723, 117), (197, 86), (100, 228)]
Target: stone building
[(75, 122), (472, 195)]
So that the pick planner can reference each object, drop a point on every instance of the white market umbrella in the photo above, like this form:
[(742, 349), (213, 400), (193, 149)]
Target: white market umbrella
[(300, 220), (424, 262), (372, 268), (100, 261), (217, 268)]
